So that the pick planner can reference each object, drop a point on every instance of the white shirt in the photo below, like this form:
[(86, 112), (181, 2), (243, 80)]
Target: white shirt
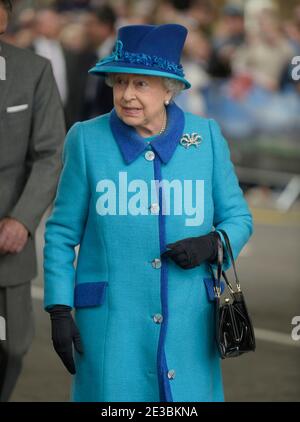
[(52, 50)]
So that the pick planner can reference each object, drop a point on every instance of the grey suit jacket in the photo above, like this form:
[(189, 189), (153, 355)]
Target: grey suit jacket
[(32, 131)]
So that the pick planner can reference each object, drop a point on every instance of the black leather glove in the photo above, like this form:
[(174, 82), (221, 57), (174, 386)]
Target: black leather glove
[(64, 333), (192, 251)]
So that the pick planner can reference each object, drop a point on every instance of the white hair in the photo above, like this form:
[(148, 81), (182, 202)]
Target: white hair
[(171, 84)]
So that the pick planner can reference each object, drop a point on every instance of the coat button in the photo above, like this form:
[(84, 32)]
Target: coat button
[(149, 155), (154, 208), (156, 263), (171, 374), (157, 318)]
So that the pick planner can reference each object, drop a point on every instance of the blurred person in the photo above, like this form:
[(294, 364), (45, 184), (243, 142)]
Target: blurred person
[(255, 100), (142, 315), (69, 67), (122, 9), (47, 44), (253, 11), (196, 55), (292, 31), (100, 27), (230, 36), (193, 13), (141, 12), (202, 13), (166, 12), (73, 37), (173, 11), (265, 54), (32, 131), (25, 32)]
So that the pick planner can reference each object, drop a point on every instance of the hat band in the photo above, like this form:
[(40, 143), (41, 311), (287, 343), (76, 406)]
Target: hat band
[(119, 54)]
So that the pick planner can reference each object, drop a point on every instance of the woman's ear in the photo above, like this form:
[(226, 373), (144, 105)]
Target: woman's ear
[(168, 98)]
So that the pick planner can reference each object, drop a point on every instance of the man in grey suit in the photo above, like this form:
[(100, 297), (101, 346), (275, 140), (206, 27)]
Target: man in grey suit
[(32, 132)]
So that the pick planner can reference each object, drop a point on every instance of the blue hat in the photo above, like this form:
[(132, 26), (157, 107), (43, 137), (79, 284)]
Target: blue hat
[(148, 50)]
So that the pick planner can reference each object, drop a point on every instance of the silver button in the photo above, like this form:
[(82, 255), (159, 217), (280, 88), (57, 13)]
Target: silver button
[(157, 318), (156, 263), (171, 374), (149, 155), (154, 208)]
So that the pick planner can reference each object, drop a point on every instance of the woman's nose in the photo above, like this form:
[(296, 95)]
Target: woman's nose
[(129, 92)]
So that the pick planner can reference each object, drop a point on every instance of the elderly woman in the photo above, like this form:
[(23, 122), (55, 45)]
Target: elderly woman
[(143, 191)]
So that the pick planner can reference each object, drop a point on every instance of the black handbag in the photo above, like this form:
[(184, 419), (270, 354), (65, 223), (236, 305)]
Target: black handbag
[(234, 329)]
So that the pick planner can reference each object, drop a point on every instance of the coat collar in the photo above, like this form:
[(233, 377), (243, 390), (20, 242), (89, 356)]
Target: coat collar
[(132, 144)]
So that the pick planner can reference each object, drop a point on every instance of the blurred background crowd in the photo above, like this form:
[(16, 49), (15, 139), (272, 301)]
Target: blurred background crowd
[(238, 55)]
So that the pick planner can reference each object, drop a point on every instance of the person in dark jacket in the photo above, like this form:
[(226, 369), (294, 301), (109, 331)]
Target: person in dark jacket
[(32, 132), (100, 26)]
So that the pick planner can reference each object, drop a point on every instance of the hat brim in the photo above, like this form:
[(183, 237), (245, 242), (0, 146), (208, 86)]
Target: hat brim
[(119, 68)]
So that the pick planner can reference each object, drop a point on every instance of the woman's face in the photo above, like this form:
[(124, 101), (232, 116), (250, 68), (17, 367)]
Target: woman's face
[(139, 99)]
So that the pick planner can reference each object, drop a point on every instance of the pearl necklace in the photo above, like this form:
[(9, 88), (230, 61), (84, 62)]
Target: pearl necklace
[(163, 128)]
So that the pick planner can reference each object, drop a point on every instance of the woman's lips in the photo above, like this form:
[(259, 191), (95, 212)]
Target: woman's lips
[(131, 111)]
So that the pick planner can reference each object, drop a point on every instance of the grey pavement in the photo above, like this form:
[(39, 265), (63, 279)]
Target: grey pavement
[(268, 268)]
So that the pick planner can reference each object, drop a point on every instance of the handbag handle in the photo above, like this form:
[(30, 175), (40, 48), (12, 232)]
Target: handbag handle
[(217, 282), (228, 246)]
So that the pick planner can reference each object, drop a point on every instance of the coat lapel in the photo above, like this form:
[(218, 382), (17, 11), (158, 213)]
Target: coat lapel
[(6, 84)]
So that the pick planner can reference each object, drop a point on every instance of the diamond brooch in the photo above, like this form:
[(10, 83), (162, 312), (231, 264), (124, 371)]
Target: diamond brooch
[(194, 139)]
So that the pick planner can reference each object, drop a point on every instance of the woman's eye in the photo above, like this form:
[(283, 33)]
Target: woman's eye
[(142, 83)]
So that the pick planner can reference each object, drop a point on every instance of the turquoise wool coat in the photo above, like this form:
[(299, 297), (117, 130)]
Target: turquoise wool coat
[(146, 324)]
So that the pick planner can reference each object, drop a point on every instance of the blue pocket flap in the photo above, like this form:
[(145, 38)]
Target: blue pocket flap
[(209, 284), (89, 294)]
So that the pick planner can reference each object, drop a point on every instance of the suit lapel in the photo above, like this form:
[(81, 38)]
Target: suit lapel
[(6, 84)]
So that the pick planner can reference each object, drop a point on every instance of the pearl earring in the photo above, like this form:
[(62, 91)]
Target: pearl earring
[(167, 102)]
